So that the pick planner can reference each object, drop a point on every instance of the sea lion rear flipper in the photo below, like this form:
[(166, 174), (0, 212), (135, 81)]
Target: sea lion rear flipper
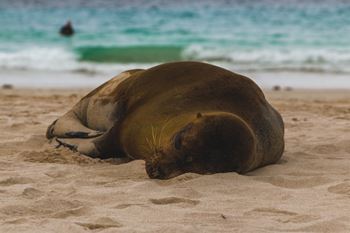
[(103, 146), (62, 143), (70, 126), (80, 134)]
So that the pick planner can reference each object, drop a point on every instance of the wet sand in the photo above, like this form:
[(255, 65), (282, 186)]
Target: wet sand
[(43, 189)]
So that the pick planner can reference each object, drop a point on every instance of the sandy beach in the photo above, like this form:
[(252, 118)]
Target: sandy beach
[(298, 52), (43, 189)]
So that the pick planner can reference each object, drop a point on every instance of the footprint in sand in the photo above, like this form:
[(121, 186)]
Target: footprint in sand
[(325, 149), (345, 144), (283, 216), (48, 207), (18, 125), (32, 193), (16, 221), (304, 155), (187, 177), (295, 182), (100, 223), (124, 206), (174, 200), (78, 211), (334, 225), (342, 188), (185, 192), (15, 180), (211, 218), (271, 212)]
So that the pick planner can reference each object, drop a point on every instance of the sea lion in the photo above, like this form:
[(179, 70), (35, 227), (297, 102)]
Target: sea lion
[(179, 117), (67, 29)]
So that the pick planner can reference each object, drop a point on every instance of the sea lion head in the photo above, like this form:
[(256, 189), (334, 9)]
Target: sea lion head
[(218, 142)]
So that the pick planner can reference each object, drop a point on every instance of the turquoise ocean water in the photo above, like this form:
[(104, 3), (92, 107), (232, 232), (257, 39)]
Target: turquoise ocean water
[(308, 36)]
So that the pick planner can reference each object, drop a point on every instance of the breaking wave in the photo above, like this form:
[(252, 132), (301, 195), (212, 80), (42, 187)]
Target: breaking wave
[(105, 59)]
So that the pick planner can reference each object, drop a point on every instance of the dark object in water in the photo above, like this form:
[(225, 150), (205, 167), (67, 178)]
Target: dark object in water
[(67, 29), (276, 88), (7, 86)]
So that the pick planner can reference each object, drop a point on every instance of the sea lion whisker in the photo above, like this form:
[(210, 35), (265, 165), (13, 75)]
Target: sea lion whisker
[(161, 132), (160, 137), (151, 147), (154, 137)]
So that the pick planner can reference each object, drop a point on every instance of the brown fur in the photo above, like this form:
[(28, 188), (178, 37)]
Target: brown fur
[(179, 117)]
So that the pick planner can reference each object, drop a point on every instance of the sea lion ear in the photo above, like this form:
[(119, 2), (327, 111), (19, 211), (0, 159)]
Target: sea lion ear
[(199, 115)]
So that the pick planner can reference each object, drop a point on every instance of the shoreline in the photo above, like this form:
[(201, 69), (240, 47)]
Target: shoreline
[(76, 80)]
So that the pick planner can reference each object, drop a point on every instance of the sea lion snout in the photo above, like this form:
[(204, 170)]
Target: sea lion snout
[(165, 170), (154, 172)]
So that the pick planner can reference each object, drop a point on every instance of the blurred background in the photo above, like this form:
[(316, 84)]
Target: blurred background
[(287, 43)]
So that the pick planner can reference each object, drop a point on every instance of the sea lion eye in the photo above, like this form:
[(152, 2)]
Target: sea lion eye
[(188, 159), (177, 141)]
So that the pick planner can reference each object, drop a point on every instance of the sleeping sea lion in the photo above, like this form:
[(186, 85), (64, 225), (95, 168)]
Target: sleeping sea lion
[(179, 117)]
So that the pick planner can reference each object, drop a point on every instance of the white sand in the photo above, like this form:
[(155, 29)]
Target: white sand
[(84, 79), (43, 189)]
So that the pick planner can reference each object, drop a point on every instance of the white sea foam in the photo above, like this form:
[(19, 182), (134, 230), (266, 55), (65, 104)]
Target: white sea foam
[(273, 59), (266, 59), (58, 67), (56, 59), (38, 59)]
